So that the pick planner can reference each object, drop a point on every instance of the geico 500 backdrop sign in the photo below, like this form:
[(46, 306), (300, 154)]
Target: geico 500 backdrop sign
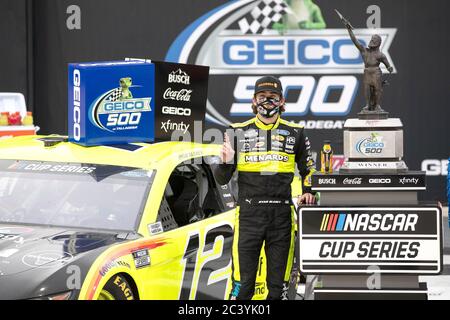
[(240, 49)]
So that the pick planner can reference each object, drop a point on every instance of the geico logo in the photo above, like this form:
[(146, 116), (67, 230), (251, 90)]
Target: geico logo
[(380, 222), (266, 157), (176, 111), (379, 180), (435, 167), (369, 249), (373, 144), (76, 105), (124, 106), (327, 181), (290, 52)]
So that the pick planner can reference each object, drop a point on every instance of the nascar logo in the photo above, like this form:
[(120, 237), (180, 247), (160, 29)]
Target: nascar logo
[(344, 222)]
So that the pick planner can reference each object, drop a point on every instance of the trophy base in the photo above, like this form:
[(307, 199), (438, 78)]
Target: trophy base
[(373, 115), (381, 167)]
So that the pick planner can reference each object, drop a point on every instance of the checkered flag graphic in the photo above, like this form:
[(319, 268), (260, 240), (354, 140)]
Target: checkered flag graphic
[(263, 16), (115, 95)]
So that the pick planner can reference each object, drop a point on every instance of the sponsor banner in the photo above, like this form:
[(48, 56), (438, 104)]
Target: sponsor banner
[(134, 101), (180, 91), (111, 102), (357, 239), (407, 181)]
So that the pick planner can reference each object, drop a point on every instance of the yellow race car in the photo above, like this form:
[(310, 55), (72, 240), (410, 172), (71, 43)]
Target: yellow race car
[(132, 221)]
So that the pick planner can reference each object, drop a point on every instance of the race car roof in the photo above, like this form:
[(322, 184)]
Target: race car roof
[(140, 155)]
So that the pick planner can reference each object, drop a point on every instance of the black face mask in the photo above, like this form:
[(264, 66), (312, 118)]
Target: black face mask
[(265, 112)]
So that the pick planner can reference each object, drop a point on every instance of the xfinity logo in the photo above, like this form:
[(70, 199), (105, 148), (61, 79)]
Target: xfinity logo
[(181, 95), (352, 181), (406, 180), (327, 181), (76, 105), (402, 222), (176, 111), (379, 181), (179, 76), (169, 125)]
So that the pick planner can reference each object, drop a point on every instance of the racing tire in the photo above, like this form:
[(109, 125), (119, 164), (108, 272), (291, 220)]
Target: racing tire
[(117, 288)]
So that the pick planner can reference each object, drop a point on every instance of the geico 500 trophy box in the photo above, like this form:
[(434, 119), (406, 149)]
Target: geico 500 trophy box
[(111, 102), (135, 101)]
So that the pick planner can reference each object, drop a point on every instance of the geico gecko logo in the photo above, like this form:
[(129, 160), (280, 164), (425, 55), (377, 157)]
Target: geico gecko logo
[(243, 40), (117, 110)]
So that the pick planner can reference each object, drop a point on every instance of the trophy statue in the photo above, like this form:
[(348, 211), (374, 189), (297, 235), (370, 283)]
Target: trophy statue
[(373, 143), (372, 82)]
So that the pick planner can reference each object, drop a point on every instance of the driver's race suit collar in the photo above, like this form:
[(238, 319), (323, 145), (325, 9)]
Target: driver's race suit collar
[(263, 126)]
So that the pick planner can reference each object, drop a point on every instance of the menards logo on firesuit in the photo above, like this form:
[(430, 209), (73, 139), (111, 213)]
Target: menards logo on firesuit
[(243, 40), (266, 157), (342, 222)]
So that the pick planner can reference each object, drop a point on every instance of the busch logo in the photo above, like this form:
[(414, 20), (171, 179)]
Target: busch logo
[(181, 95), (179, 76), (327, 181)]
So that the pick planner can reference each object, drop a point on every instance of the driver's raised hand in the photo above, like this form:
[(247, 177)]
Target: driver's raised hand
[(227, 152)]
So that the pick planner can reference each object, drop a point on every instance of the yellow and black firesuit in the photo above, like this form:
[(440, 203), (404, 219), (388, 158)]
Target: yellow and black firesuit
[(266, 155)]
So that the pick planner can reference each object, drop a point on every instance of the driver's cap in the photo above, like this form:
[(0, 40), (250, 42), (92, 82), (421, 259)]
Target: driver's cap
[(268, 83)]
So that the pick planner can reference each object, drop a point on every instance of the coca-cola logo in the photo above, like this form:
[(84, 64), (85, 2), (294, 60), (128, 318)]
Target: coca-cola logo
[(178, 95), (352, 181)]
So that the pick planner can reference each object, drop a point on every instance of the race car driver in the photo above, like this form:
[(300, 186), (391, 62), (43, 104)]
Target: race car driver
[(267, 150)]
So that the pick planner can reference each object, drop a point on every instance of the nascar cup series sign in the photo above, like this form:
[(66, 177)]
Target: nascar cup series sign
[(357, 239), (243, 40)]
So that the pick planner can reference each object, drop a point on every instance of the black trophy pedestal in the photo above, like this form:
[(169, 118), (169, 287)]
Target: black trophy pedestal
[(369, 237)]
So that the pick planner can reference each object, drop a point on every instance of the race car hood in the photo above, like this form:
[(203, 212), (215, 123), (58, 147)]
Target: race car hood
[(30, 256), (23, 248)]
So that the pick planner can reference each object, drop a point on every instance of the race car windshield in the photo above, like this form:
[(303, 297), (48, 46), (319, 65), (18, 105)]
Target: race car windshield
[(73, 195)]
